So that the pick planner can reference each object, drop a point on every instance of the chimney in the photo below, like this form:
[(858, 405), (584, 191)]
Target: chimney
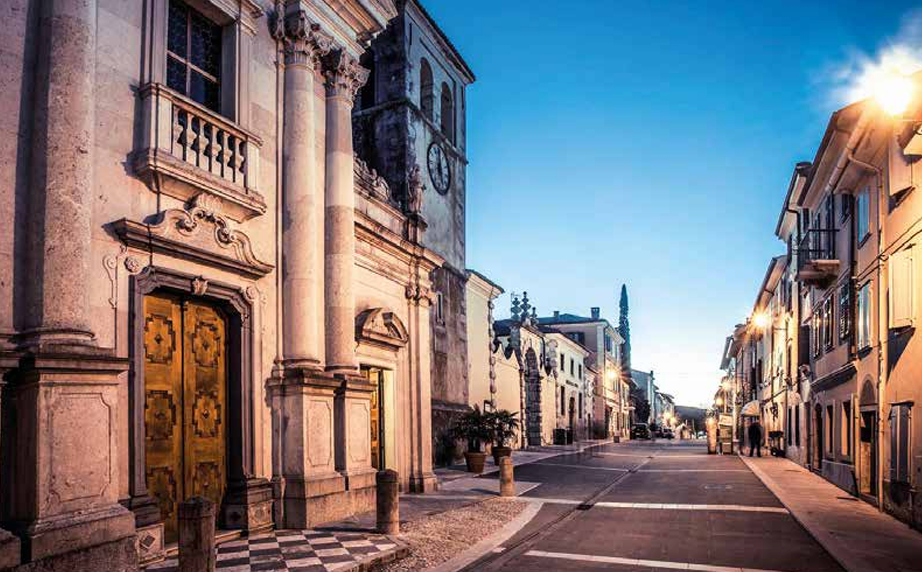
[(595, 312), (556, 314)]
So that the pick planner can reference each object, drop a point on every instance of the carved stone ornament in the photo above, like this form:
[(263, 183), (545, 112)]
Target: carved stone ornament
[(197, 233), (303, 41), (415, 187), (369, 179), (199, 286), (344, 75), (380, 327), (419, 294)]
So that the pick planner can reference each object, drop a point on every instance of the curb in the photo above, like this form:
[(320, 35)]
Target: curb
[(485, 546), (384, 557), (827, 540)]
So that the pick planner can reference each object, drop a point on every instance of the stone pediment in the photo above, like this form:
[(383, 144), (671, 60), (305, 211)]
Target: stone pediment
[(380, 327), (197, 233)]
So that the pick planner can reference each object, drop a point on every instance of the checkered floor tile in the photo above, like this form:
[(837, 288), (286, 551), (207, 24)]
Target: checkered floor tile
[(292, 550)]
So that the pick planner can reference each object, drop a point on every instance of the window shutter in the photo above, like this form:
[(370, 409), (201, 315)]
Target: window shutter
[(901, 289), (903, 472)]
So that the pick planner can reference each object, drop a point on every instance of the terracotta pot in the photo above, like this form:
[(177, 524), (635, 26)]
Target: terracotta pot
[(475, 461), (501, 452)]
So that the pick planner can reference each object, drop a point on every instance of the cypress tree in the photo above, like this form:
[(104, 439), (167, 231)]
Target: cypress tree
[(624, 329)]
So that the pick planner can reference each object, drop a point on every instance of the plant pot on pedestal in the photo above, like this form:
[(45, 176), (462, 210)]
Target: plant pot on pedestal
[(499, 452)]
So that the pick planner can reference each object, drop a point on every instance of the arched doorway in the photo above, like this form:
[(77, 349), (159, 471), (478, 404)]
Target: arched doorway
[(532, 397)]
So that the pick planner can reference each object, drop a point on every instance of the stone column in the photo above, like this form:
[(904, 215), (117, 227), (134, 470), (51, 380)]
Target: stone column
[(344, 77), (306, 484), (60, 489), (421, 477), (302, 202)]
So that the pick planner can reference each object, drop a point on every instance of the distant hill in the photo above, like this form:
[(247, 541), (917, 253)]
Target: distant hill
[(696, 414)]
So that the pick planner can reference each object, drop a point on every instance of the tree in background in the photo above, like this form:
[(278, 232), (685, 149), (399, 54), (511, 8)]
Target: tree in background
[(641, 405), (624, 329)]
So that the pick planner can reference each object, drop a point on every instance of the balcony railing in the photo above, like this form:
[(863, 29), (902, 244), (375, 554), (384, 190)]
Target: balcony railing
[(816, 255), (188, 149)]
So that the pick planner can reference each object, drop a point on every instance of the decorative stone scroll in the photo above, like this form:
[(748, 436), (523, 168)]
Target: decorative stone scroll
[(199, 234), (303, 41), (380, 327)]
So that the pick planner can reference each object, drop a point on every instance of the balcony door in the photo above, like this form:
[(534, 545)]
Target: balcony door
[(185, 410)]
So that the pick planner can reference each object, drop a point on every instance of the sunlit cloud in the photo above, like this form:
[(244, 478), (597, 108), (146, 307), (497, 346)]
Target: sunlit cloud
[(882, 75)]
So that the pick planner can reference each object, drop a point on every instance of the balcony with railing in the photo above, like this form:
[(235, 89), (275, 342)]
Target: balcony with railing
[(187, 149), (817, 261)]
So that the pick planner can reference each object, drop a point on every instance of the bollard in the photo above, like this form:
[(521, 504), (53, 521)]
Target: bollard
[(196, 535), (506, 477), (388, 502)]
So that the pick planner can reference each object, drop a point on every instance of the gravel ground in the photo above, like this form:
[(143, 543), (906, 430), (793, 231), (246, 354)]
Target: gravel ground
[(440, 537)]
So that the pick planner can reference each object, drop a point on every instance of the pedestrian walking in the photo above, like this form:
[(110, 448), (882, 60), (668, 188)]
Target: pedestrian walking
[(755, 438)]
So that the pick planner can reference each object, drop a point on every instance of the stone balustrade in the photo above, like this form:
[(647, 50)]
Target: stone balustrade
[(189, 149)]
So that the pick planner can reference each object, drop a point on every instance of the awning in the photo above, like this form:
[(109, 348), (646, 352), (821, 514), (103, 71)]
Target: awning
[(751, 409)]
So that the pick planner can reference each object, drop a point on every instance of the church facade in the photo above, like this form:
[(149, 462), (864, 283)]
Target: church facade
[(207, 289)]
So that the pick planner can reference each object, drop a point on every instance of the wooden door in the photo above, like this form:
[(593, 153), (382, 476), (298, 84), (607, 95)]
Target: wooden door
[(377, 456), (185, 403)]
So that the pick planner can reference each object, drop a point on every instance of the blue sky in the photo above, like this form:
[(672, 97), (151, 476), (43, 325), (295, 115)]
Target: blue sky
[(648, 143)]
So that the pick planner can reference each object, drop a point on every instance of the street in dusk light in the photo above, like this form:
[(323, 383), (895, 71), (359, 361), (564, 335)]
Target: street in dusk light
[(396, 285)]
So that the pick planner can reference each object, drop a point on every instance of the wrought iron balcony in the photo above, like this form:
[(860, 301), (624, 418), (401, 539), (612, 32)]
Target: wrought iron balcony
[(187, 149), (817, 261)]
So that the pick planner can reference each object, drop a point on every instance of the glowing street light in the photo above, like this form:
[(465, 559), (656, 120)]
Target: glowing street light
[(893, 92), (761, 320), (719, 401)]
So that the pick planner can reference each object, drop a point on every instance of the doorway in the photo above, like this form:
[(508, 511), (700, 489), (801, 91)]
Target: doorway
[(382, 419), (867, 456), (185, 403), (818, 437)]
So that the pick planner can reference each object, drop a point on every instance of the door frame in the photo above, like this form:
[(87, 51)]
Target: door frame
[(236, 303)]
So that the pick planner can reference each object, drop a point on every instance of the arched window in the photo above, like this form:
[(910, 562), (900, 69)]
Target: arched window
[(448, 114), (426, 100)]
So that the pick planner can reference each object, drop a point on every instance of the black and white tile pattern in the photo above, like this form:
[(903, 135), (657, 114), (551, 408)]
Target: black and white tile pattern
[(292, 551)]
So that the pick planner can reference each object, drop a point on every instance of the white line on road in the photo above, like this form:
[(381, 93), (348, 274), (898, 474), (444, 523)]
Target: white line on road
[(664, 506), (637, 562), (582, 467), (694, 471)]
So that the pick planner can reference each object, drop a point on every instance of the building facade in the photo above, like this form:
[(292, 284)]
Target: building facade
[(843, 312), (209, 293)]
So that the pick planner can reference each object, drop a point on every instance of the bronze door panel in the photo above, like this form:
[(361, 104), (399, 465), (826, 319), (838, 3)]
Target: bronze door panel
[(374, 376), (185, 404)]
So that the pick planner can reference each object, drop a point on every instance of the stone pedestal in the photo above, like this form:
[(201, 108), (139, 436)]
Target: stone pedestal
[(9, 550), (353, 440), (197, 535), (306, 486), (248, 505), (61, 489), (388, 502)]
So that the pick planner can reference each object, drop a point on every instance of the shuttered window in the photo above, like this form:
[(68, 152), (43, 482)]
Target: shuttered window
[(900, 425), (902, 294), (863, 326), (863, 212)]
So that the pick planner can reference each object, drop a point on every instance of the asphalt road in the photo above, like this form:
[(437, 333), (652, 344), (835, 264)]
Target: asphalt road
[(654, 506)]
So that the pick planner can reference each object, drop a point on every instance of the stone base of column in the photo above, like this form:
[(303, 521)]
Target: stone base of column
[(10, 549), (104, 536), (149, 528), (248, 506), (423, 483), (307, 502)]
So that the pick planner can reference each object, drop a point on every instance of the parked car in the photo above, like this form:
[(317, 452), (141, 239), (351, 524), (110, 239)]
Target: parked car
[(640, 431), (668, 434)]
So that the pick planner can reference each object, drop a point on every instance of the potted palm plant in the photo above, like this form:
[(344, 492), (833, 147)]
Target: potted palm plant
[(474, 427), (503, 424)]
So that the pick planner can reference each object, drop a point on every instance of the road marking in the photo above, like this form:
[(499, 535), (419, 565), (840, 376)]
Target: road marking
[(639, 562), (694, 471), (664, 506), (619, 455), (583, 467)]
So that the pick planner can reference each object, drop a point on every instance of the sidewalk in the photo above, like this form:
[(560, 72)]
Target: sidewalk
[(856, 534)]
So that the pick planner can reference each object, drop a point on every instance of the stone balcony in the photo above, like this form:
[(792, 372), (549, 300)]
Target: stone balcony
[(187, 149)]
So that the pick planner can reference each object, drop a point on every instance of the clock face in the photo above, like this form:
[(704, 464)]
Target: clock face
[(439, 168)]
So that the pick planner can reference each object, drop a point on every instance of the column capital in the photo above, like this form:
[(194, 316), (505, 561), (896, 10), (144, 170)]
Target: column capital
[(303, 41), (344, 76)]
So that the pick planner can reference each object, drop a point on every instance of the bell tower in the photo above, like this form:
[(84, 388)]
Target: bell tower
[(409, 125)]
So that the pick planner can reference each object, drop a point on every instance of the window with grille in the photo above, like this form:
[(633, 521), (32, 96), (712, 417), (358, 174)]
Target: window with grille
[(845, 311), (900, 425), (193, 62)]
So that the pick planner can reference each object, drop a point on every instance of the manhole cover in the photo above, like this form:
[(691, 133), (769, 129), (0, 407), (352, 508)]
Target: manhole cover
[(718, 487)]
